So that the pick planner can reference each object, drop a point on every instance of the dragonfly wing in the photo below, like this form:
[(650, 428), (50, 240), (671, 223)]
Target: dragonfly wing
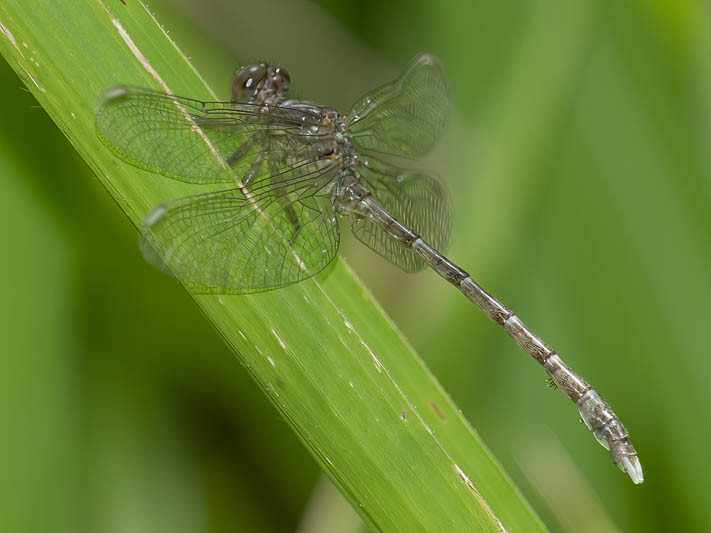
[(416, 200), (203, 142), (404, 117), (229, 242)]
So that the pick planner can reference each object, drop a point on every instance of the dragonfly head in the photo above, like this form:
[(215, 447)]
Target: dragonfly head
[(260, 83)]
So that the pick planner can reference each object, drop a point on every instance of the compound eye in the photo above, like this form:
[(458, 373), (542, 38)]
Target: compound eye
[(282, 73), (282, 80), (246, 82)]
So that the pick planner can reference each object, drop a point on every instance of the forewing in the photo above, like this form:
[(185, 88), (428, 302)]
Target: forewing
[(226, 242), (416, 200), (404, 117), (203, 142)]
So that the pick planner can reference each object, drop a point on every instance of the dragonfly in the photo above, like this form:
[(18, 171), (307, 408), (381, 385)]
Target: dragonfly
[(282, 173)]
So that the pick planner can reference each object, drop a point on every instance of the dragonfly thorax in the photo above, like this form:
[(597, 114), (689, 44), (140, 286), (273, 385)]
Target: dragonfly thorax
[(342, 143)]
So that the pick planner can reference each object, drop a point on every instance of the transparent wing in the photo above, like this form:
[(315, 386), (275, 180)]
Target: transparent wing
[(226, 242), (416, 200), (204, 142), (405, 117)]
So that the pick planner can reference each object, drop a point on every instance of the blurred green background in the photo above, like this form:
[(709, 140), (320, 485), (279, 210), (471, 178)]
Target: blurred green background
[(578, 158)]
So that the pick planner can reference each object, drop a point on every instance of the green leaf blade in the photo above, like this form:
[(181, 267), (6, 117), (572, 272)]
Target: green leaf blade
[(322, 350)]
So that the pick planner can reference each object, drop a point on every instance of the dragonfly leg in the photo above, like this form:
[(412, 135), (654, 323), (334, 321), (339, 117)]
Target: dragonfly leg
[(239, 154), (286, 204), (253, 170), (296, 234)]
